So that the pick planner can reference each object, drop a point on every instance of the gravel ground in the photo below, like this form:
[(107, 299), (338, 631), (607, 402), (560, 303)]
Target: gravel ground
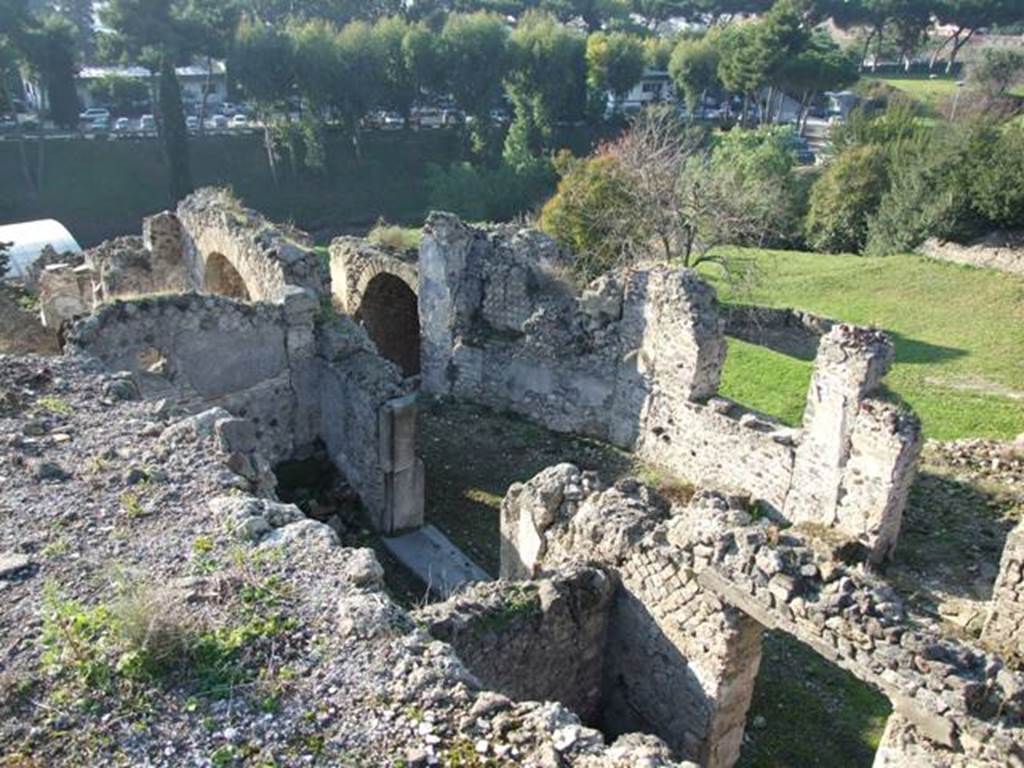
[(136, 630)]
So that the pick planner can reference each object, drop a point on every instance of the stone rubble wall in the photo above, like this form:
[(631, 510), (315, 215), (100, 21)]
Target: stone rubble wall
[(541, 640), (790, 331), (636, 359), (707, 578), (271, 364), (355, 262), (1000, 252), (1004, 626)]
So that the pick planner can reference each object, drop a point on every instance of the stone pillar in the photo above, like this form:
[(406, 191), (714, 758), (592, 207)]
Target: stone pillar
[(446, 293), (1004, 627), (403, 470), (884, 449), (850, 364), (64, 294)]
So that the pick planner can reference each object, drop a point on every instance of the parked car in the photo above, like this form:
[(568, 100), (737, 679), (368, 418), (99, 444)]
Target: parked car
[(122, 124), (192, 123), (219, 121), (94, 113), (99, 125), (8, 123), (453, 118), (239, 121), (147, 123), (392, 121), (499, 117), (228, 108), (428, 117)]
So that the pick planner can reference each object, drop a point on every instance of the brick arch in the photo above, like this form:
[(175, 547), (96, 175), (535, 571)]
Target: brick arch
[(389, 311)]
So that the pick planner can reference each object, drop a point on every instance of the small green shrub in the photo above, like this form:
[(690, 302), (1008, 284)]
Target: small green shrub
[(54, 405), (398, 238)]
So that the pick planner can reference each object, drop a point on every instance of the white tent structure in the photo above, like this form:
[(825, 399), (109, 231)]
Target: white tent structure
[(29, 238)]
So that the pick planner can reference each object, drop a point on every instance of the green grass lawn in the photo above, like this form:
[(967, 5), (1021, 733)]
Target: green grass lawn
[(931, 92), (959, 335)]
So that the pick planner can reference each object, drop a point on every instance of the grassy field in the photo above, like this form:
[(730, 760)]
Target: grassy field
[(100, 189), (959, 335), (931, 92)]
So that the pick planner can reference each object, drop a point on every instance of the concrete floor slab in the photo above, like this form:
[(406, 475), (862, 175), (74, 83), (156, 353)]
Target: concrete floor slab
[(442, 566)]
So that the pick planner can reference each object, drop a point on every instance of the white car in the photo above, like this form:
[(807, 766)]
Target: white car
[(122, 124), (239, 121), (192, 123), (147, 123), (392, 122), (93, 114)]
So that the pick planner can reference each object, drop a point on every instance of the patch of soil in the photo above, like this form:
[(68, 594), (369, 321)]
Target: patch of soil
[(473, 455), (21, 331), (967, 497)]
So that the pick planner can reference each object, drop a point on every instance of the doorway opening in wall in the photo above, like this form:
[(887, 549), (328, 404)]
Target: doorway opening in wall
[(223, 279), (807, 711), (390, 313), (315, 485)]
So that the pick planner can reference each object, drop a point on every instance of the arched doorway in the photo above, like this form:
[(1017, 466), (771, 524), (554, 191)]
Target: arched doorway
[(390, 313), (222, 278)]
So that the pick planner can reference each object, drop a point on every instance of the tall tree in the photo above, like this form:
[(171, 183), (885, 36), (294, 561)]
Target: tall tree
[(51, 55), (161, 33), (694, 69), (263, 63), (966, 17), (476, 58), (546, 82), (615, 62), (821, 66)]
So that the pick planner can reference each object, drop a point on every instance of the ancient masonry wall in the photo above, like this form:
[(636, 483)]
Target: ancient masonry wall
[(273, 357), (636, 359), (540, 640), (697, 585), (1004, 627)]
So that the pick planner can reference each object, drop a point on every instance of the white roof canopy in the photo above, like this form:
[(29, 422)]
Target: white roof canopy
[(29, 238)]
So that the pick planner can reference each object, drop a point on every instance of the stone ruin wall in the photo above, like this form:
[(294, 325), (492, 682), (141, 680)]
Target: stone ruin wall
[(540, 640), (636, 359), (696, 586), (266, 351)]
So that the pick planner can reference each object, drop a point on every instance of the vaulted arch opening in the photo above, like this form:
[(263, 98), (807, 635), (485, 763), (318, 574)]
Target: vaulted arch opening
[(389, 311), (222, 278)]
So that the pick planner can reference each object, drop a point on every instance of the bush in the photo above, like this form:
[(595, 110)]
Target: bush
[(489, 194), (391, 236), (844, 198), (930, 191), (585, 209), (998, 186), (766, 157)]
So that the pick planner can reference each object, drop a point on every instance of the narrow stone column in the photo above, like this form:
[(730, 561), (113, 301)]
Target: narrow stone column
[(850, 364), (403, 470)]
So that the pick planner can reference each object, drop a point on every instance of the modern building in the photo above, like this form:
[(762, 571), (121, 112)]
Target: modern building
[(194, 79), (653, 87)]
